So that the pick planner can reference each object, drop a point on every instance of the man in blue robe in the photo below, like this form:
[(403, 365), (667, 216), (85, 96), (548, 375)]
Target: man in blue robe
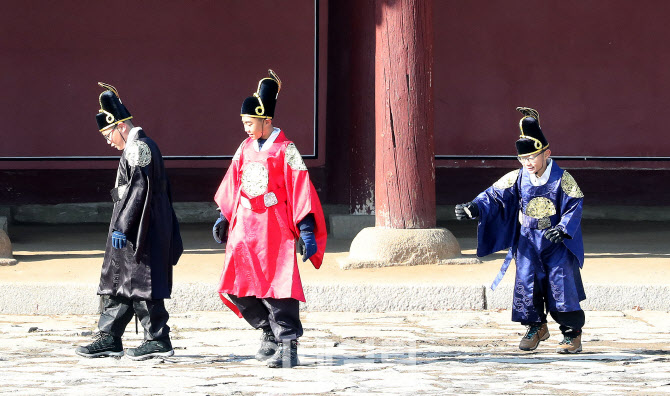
[(536, 212)]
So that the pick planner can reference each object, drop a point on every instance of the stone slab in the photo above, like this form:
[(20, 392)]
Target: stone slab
[(377, 297), (48, 298), (79, 298), (598, 297), (97, 212)]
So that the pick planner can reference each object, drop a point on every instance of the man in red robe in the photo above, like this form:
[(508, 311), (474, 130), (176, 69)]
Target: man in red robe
[(269, 207)]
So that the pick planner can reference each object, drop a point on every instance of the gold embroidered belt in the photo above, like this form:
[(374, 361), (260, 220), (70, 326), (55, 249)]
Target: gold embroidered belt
[(264, 201), (539, 224)]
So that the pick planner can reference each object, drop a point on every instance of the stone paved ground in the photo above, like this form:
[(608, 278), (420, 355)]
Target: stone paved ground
[(445, 353)]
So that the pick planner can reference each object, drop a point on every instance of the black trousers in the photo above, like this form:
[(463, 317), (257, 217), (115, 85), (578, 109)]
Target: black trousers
[(118, 311), (281, 315), (570, 323)]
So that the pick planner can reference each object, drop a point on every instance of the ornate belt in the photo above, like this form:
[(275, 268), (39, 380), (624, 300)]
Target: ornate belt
[(264, 201), (539, 224)]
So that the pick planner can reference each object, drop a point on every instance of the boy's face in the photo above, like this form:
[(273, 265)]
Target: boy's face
[(536, 163), (253, 126), (113, 136)]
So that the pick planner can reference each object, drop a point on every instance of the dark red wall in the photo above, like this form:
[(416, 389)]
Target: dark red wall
[(597, 71), (182, 68)]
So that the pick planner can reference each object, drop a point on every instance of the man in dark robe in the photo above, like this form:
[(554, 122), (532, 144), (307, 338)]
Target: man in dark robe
[(143, 243)]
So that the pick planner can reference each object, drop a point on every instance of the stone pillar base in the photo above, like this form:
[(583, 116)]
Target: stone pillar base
[(385, 247), (6, 257)]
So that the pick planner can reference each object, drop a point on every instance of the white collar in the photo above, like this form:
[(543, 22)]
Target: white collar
[(132, 135), (269, 141), (542, 180)]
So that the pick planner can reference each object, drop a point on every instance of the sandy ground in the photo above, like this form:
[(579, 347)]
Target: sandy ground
[(616, 253)]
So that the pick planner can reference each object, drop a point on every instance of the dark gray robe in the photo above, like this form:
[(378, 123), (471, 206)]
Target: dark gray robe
[(143, 212)]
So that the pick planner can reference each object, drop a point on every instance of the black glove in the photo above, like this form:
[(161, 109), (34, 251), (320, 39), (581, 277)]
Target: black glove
[(220, 229), (467, 211), (556, 235)]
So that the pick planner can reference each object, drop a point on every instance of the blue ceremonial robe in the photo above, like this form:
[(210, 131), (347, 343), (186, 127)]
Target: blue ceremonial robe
[(514, 215)]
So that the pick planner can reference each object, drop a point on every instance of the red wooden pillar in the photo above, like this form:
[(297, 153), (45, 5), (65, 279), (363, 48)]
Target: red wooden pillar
[(405, 232), (404, 171)]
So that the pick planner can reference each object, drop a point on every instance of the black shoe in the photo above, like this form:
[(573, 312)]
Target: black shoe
[(151, 349), (286, 355), (105, 344), (268, 345)]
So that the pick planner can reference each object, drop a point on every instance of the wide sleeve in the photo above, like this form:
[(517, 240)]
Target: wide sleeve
[(226, 195), (134, 207), (498, 210), (302, 200), (571, 204)]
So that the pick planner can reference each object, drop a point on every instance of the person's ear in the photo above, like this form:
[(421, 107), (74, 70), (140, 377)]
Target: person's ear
[(124, 127)]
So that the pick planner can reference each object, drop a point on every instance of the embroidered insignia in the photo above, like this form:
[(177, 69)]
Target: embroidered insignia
[(540, 207), (255, 179), (570, 187), (294, 158), (137, 153), (236, 157), (507, 181)]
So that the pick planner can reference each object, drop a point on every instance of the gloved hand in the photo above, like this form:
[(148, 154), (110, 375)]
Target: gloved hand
[(555, 235), (468, 210), (220, 229), (306, 245), (119, 240)]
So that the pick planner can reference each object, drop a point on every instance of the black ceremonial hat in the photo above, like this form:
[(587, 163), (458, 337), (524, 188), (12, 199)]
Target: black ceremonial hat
[(262, 103), (112, 111), (532, 139)]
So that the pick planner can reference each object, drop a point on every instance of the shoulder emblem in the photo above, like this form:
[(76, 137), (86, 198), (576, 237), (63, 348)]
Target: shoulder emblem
[(507, 181), (294, 158), (570, 187), (540, 207), (137, 153)]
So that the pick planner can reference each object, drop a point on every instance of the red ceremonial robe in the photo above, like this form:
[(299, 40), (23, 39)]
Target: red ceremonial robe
[(262, 236)]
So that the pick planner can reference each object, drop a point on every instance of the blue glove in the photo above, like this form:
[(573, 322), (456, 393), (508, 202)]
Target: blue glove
[(220, 229), (306, 245), (118, 240)]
